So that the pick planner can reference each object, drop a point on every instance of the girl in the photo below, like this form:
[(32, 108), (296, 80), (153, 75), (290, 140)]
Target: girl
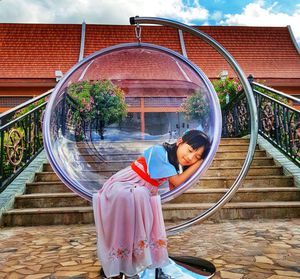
[(127, 209)]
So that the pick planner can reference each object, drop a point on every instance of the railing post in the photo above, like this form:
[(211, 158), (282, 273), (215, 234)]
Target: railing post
[(35, 131), (1, 158), (250, 79), (290, 133), (63, 116)]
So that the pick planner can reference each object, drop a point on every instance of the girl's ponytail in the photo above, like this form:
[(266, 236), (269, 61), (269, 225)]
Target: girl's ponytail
[(171, 149)]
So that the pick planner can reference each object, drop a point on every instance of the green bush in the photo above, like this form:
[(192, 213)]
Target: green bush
[(270, 94), (227, 89), (29, 107), (98, 100), (195, 107)]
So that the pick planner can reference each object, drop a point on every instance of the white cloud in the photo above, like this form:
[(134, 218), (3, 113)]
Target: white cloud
[(217, 16), (97, 11), (256, 14)]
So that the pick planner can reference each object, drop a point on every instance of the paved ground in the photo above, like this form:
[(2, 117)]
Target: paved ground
[(239, 249)]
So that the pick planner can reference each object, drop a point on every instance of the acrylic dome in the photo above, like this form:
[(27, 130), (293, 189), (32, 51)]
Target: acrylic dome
[(115, 103)]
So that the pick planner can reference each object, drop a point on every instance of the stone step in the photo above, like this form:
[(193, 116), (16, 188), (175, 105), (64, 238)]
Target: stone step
[(46, 187), (146, 143), (237, 162), (132, 156), (234, 210), (248, 182), (107, 149), (48, 216), (171, 212), (242, 195), (213, 171), (234, 140), (142, 145), (204, 182), (44, 200)]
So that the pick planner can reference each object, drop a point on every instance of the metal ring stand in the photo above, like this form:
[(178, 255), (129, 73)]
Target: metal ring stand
[(194, 267)]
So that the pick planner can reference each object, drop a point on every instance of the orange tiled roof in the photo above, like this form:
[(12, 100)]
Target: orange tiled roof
[(37, 50)]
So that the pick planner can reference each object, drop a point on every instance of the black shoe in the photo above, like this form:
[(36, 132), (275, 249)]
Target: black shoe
[(102, 274), (159, 274)]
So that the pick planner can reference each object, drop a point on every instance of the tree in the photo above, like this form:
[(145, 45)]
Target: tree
[(196, 107), (100, 103)]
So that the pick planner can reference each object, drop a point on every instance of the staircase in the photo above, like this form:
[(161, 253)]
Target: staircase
[(265, 193)]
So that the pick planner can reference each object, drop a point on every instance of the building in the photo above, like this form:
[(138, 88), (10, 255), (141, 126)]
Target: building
[(34, 56)]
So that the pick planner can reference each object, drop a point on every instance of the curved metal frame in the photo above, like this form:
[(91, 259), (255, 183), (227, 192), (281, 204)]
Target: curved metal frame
[(253, 112), (252, 105)]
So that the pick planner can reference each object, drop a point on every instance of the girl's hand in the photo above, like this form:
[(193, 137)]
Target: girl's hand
[(178, 179), (198, 163)]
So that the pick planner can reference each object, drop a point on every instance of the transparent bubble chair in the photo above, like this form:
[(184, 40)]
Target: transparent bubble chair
[(117, 102)]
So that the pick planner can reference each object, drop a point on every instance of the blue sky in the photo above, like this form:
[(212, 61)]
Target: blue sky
[(237, 7), (193, 12)]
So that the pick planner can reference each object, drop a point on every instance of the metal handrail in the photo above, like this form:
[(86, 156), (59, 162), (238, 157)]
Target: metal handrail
[(234, 122), (279, 122), (20, 138), (274, 100), (279, 93), (11, 112)]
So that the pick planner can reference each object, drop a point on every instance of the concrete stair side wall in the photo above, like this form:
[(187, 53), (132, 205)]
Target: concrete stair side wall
[(289, 168), (18, 186)]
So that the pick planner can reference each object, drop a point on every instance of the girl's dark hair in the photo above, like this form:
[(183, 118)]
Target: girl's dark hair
[(195, 139)]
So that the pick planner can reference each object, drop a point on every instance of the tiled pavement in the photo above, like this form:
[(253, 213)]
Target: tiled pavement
[(239, 249)]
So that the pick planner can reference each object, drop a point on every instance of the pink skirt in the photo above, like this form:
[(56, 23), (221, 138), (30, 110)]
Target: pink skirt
[(130, 228)]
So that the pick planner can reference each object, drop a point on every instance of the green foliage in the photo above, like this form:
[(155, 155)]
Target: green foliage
[(11, 150), (99, 100), (270, 94), (109, 102), (29, 107), (227, 89), (196, 106)]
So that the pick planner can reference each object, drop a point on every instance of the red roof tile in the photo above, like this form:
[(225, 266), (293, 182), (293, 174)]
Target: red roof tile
[(37, 50)]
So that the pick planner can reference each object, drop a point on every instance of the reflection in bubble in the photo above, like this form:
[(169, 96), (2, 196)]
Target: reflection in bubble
[(114, 104)]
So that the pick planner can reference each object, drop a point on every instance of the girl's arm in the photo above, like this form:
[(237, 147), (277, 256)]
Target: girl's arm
[(178, 179)]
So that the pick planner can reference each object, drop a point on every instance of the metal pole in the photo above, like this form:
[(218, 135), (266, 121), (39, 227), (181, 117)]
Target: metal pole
[(253, 113)]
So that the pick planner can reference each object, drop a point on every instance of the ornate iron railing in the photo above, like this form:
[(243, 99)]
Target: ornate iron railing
[(235, 116), (279, 122), (20, 137)]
